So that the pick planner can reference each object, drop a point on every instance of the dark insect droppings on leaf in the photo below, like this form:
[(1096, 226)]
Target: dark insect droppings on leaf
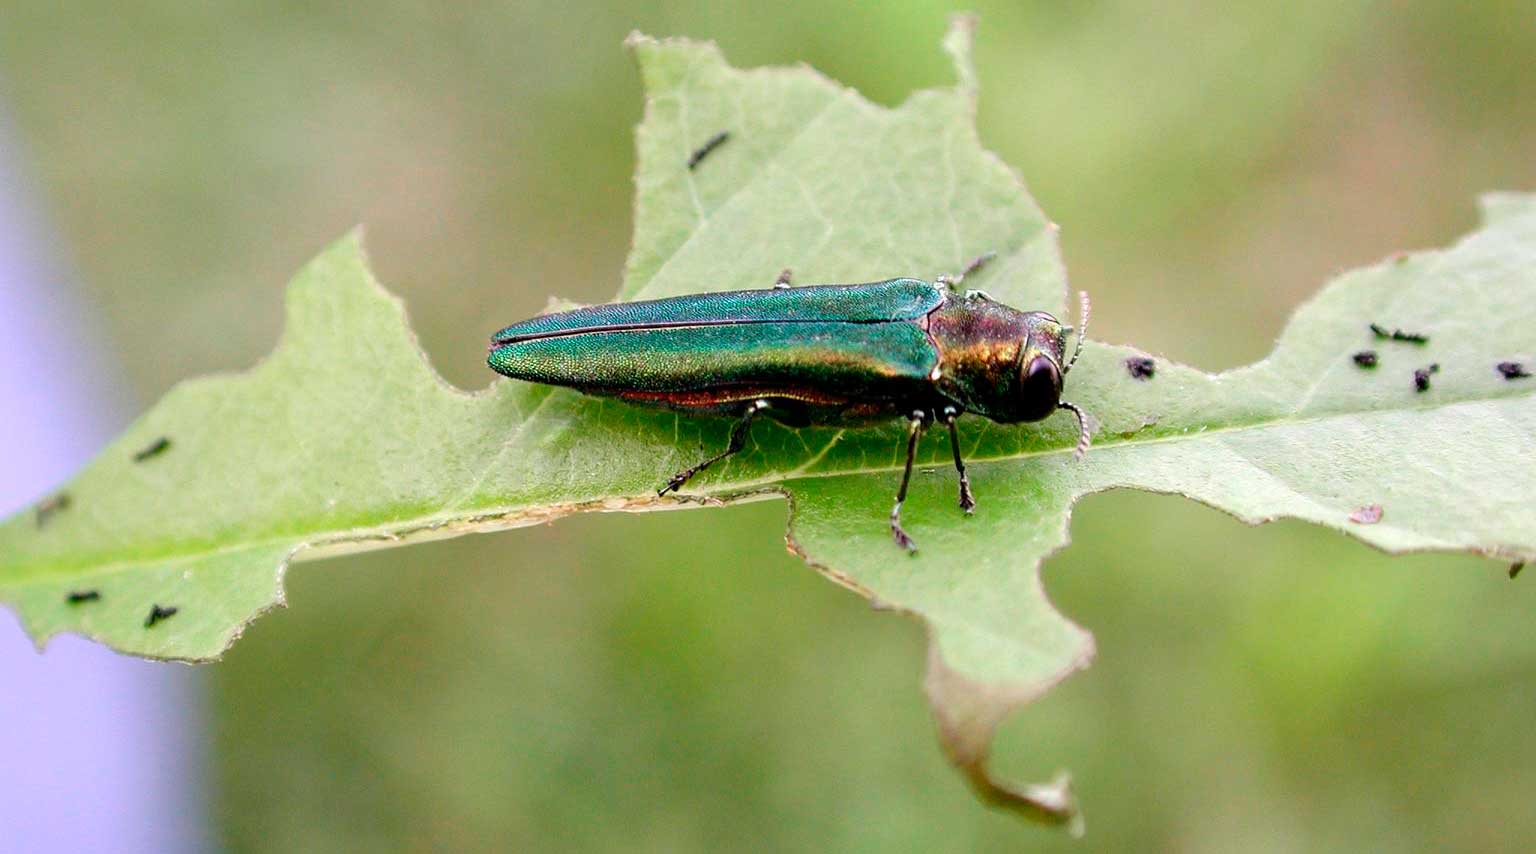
[(703, 151), (1514, 568), (1512, 370), (1421, 376), (154, 449), (1140, 367), (1398, 335), (1366, 358), (77, 597), (49, 506), (158, 613)]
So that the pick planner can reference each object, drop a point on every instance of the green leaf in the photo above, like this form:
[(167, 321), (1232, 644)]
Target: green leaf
[(346, 439)]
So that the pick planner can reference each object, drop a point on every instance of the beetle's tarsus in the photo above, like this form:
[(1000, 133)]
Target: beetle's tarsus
[(967, 501), (898, 534), (678, 480)]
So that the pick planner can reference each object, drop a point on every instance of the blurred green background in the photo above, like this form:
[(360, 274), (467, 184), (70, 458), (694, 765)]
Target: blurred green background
[(677, 682)]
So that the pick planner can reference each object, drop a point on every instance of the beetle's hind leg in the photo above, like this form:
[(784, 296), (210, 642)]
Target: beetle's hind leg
[(738, 441), (914, 430), (967, 501)]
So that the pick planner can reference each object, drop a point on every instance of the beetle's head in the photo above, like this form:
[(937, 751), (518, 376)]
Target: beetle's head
[(1041, 369), (999, 362)]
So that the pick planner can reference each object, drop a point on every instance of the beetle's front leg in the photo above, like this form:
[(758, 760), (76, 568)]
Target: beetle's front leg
[(914, 430), (738, 441), (953, 282), (967, 501)]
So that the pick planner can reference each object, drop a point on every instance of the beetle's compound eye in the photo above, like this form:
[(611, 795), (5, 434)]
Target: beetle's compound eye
[(1039, 389)]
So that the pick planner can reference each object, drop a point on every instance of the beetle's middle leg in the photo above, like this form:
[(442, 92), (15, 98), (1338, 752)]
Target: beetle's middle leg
[(967, 501), (914, 430), (738, 441)]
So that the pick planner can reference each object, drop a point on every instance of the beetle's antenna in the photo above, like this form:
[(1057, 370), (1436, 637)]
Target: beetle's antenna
[(1082, 330), (1082, 428)]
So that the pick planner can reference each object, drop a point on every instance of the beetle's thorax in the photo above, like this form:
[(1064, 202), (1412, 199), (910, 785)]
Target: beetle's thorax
[(982, 346)]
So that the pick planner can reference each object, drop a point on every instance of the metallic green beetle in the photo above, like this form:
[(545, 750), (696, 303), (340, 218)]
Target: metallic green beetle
[(817, 354)]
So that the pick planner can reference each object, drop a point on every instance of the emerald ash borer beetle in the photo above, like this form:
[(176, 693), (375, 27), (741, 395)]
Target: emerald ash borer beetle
[(814, 354)]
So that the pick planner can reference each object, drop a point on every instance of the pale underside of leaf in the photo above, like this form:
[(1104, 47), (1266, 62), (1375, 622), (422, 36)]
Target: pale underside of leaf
[(345, 438)]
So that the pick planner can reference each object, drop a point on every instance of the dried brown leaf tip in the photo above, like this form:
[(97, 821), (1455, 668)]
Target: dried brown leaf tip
[(1512, 370), (1370, 514), (1140, 367)]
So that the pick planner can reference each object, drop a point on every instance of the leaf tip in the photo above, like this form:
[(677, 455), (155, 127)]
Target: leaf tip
[(637, 40), (665, 63), (1499, 206), (958, 41), (968, 713), (343, 260)]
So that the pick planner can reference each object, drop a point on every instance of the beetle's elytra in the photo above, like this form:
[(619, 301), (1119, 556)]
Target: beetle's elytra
[(817, 354)]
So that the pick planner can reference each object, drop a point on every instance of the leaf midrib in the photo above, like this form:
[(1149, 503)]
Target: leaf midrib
[(1193, 433), (404, 531)]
